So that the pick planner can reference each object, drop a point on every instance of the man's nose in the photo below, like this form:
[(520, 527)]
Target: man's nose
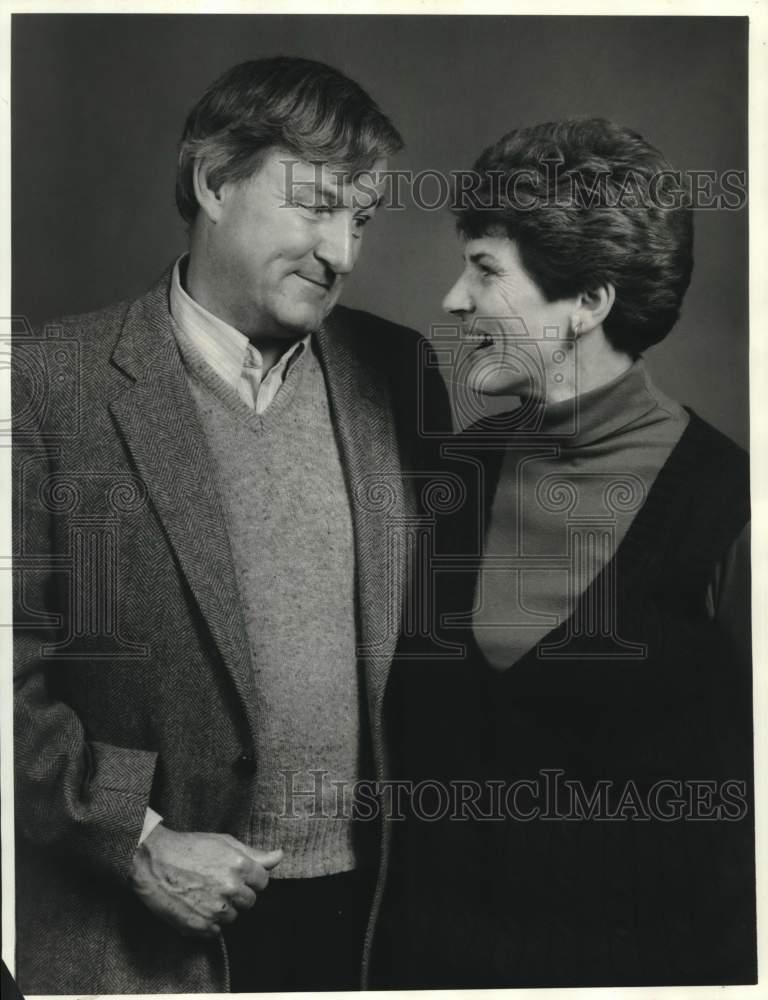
[(458, 301), (338, 247)]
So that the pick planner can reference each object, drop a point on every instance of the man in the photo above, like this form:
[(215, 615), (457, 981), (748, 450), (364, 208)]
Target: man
[(212, 488)]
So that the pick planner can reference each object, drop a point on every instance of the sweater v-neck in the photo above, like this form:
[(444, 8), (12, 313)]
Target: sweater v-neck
[(644, 555), (199, 369), (613, 421)]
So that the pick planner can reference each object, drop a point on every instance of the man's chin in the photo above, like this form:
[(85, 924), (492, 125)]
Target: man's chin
[(299, 325), (303, 320)]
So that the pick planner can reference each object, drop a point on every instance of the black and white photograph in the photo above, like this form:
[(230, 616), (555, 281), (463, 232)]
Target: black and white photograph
[(380, 577)]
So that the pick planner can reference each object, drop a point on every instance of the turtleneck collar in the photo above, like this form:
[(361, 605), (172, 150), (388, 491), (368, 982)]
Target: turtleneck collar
[(605, 411)]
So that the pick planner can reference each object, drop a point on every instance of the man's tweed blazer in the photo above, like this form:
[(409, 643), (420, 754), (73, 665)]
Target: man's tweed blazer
[(133, 680)]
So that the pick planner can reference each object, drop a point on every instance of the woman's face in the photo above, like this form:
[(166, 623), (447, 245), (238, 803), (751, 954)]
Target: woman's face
[(514, 341)]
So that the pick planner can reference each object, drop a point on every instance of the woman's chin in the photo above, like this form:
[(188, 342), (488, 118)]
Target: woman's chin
[(497, 382), (493, 373), (495, 389)]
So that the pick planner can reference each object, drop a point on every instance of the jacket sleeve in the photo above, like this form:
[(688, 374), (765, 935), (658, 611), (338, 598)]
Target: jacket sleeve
[(74, 796)]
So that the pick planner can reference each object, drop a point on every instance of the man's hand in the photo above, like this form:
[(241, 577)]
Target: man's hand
[(198, 881)]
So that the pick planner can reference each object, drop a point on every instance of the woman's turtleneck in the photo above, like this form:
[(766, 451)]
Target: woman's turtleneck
[(583, 475)]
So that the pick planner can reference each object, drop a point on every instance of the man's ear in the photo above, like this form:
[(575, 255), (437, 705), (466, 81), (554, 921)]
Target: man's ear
[(595, 305), (210, 199)]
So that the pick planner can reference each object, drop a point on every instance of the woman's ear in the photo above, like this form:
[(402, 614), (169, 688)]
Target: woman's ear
[(209, 199), (594, 306)]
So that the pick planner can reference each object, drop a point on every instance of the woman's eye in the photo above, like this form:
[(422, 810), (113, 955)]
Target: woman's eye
[(362, 220)]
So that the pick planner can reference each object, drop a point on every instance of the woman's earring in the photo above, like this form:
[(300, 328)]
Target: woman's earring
[(575, 331), (576, 326)]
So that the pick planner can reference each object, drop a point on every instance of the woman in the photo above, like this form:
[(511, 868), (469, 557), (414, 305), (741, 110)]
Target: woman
[(603, 705)]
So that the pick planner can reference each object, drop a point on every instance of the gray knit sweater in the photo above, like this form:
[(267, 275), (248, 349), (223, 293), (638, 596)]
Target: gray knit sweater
[(289, 522)]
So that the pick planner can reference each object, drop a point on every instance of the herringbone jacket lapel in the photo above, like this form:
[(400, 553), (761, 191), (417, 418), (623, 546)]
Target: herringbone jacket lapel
[(158, 419), (363, 416)]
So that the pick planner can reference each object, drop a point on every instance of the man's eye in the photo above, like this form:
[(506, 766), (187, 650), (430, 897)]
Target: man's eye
[(485, 272), (310, 207), (362, 220)]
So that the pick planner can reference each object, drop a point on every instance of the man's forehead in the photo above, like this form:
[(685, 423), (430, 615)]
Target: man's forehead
[(360, 187), (330, 173)]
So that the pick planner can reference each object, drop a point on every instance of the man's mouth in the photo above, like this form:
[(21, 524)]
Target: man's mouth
[(318, 282)]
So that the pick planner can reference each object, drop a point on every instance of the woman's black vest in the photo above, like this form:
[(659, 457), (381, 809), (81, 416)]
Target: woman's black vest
[(611, 841)]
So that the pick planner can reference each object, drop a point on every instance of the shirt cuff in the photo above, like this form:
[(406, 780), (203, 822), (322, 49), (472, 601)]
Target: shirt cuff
[(151, 819)]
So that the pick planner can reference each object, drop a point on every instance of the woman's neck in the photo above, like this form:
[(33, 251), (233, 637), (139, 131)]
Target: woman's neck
[(596, 363)]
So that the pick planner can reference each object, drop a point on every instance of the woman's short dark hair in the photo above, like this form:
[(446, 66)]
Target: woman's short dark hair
[(589, 202), (307, 108)]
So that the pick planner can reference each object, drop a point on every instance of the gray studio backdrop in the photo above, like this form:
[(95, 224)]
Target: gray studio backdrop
[(99, 102)]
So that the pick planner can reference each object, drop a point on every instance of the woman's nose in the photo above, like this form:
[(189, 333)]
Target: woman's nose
[(457, 301)]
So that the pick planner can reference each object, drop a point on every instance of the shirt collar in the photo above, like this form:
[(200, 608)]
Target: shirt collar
[(223, 347)]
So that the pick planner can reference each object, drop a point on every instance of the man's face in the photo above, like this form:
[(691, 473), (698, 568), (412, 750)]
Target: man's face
[(284, 240)]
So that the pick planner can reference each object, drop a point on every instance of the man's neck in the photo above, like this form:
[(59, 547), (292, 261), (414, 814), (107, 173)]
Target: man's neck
[(194, 282)]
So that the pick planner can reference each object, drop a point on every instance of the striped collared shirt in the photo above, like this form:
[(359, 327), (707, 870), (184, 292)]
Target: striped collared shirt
[(228, 351)]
